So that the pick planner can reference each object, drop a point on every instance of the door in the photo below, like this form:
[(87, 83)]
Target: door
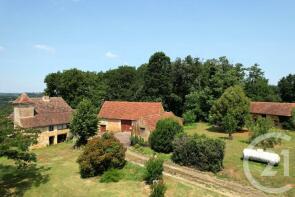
[(126, 125), (61, 138), (51, 140), (102, 128)]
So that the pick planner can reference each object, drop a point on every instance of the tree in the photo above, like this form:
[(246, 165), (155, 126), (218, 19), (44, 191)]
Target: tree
[(230, 124), (121, 83), (15, 142), (287, 88), (257, 87), (101, 154), (153, 170), (84, 122), (161, 139), (189, 117), (157, 84), (234, 106), (74, 85)]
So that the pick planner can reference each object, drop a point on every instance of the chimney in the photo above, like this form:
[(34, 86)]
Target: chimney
[(46, 98)]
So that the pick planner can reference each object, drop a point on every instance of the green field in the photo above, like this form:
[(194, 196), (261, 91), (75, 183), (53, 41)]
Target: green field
[(233, 165), (57, 174)]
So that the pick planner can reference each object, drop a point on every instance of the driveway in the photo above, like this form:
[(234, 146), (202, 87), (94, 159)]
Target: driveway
[(123, 137)]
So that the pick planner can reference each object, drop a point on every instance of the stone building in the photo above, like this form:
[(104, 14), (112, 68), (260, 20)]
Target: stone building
[(137, 117), (278, 112), (51, 115)]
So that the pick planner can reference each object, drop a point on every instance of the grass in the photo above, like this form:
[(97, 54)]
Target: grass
[(233, 165), (57, 174)]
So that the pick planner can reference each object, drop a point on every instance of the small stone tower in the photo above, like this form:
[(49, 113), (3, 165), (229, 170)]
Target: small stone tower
[(23, 107)]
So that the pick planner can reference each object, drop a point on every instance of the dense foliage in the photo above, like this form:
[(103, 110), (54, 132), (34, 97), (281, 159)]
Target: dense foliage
[(187, 84), (259, 127), (287, 88), (136, 139), (101, 154), (111, 175), (154, 170), (162, 137), (199, 151), (189, 117), (84, 122), (15, 142), (231, 110)]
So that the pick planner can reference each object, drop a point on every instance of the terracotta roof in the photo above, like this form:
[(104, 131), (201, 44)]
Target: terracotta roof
[(129, 110), (151, 120), (272, 108), (49, 111), (22, 99)]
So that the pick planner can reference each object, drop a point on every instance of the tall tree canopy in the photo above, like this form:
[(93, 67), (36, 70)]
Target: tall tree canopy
[(287, 88), (74, 85), (157, 79), (231, 110), (257, 87)]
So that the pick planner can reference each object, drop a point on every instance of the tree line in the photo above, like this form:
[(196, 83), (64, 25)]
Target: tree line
[(187, 84)]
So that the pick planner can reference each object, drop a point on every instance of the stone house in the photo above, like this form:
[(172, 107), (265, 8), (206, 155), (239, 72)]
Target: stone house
[(51, 115), (278, 112), (139, 118)]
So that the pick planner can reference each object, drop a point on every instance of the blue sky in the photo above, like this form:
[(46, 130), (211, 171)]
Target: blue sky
[(39, 37)]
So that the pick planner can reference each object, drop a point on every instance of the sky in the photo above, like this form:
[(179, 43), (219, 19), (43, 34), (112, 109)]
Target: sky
[(41, 37)]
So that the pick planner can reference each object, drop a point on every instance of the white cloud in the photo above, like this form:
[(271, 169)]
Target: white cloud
[(45, 47), (2, 48), (111, 55)]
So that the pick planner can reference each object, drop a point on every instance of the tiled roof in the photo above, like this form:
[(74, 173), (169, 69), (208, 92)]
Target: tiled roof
[(50, 111), (272, 108), (22, 99), (124, 110), (151, 120)]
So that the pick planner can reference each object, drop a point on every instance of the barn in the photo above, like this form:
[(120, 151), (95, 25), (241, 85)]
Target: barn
[(137, 117)]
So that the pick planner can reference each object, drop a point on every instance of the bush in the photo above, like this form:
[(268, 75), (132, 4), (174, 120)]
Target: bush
[(101, 154), (260, 127), (154, 170), (158, 189), (199, 151), (135, 139), (112, 175), (161, 139), (189, 117)]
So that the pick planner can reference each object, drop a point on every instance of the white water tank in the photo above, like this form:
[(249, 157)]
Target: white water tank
[(261, 156)]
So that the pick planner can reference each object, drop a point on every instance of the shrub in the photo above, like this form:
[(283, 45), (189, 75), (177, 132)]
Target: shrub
[(260, 127), (158, 189), (161, 139), (112, 175), (154, 170), (135, 139), (199, 151), (189, 117), (101, 154)]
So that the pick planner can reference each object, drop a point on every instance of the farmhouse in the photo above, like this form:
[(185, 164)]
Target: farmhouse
[(137, 117), (278, 112), (51, 115)]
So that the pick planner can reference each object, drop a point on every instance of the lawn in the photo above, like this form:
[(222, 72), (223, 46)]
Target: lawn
[(57, 174), (233, 166)]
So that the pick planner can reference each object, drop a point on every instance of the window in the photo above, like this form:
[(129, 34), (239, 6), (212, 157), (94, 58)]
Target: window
[(51, 128), (59, 127), (142, 129)]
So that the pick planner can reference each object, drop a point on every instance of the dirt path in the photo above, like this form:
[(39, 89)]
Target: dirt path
[(199, 179)]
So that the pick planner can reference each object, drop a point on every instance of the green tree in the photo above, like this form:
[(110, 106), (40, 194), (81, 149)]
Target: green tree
[(233, 103), (161, 139), (230, 124), (157, 84), (15, 142), (153, 170), (121, 83), (74, 85), (84, 122), (189, 117), (287, 88), (257, 87)]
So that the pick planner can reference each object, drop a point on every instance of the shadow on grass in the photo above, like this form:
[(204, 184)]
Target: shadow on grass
[(15, 182), (216, 129)]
